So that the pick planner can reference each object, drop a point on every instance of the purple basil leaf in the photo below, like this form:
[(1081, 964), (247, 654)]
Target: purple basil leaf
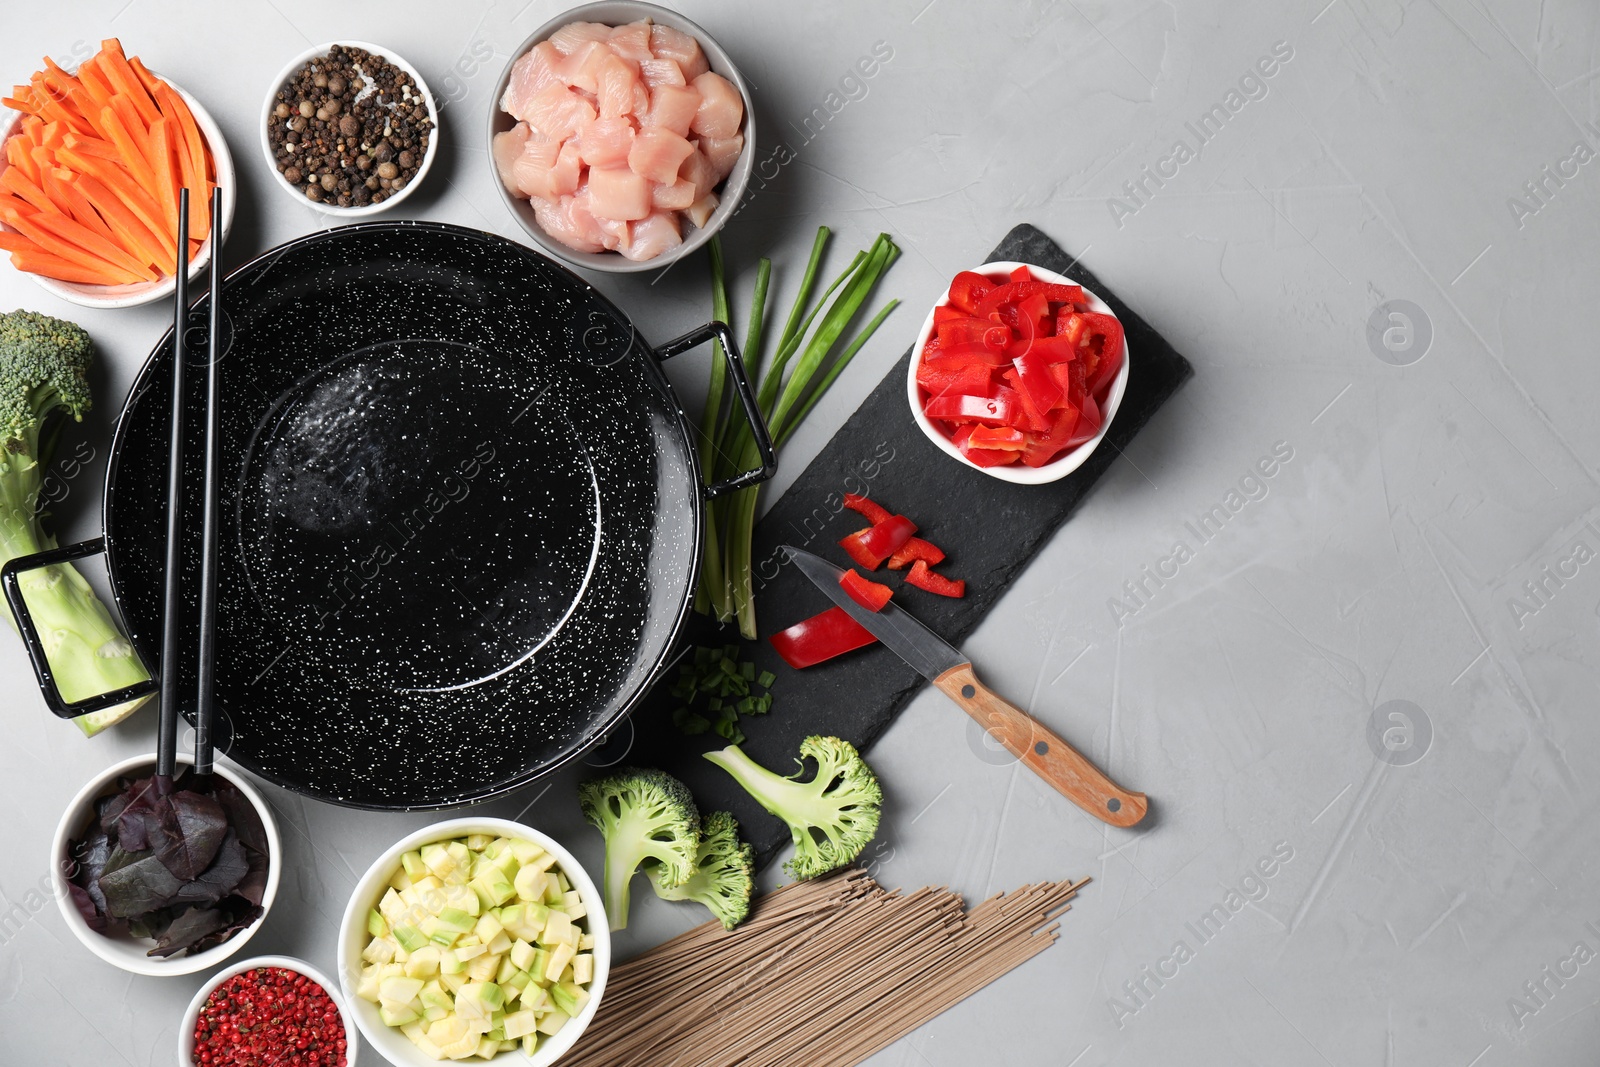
[(187, 929), (135, 883), (139, 824), (219, 879), (242, 816), (195, 826), (253, 887), (89, 858), (238, 921), (86, 908)]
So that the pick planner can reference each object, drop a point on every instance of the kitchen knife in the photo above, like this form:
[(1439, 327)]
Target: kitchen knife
[(1044, 753)]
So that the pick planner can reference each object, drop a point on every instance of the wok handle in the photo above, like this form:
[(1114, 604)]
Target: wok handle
[(30, 633), (719, 331)]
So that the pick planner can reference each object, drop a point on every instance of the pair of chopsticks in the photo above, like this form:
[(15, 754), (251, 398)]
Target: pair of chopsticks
[(205, 706)]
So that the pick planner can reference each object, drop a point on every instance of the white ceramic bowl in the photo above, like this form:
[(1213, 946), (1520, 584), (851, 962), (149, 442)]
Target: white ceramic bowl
[(129, 953), (124, 296), (393, 1045), (299, 194), (619, 13), (1019, 473), (192, 1016)]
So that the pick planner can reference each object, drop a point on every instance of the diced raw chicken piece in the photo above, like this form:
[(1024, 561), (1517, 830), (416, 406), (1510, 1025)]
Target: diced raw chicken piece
[(618, 193), (632, 41), (722, 153), (657, 154), (507, 147), (617, 81), (673, 108), (535, 70), (641, 99), (617, 232), (557, 112), (569, 38), (700, 211), (697, 169), (568, 223), (581, 70), (567, 173), (534, 169), (659, 72), (668, 43), (676, 196), (721, 108), (651, 236), (607, 142)]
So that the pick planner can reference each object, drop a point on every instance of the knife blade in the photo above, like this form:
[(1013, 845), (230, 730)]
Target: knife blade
[(947, 667)]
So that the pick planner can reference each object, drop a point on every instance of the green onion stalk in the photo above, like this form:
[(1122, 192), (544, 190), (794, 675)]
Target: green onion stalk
[(808, 357)]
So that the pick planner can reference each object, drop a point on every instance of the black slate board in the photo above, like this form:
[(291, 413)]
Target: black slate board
[(990, 530)]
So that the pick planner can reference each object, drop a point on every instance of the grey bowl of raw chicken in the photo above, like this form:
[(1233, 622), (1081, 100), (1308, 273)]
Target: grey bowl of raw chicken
[(621, 136)]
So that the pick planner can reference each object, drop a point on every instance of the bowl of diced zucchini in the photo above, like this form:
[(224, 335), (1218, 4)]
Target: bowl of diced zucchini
[(471, 938)]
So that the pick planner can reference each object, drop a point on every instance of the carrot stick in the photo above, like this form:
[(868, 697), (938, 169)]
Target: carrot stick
[(126, 83), (95, 83), (61, 190), (51, 134), (92, 146), (35, 228), (80, 236), (146, 79), (172, 103), (15, 242), (132, 234), (193, 158), (162, 163), (14, 207), (65, 271), (113, 186), (18, 156), (17, 182), (134, 156)]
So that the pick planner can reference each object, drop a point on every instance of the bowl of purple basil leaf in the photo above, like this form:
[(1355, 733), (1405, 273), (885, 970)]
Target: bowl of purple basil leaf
[(165, 882)]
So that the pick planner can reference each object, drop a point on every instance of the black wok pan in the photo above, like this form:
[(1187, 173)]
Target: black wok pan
[(461, 524)]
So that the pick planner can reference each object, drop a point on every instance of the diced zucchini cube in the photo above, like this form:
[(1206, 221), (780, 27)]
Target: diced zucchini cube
[(521, 954), (500, 944), (519, 1024), (586, 942), (560, 956), (400, 881), (478, 842), (487, 927), (409, 937), (411, 863), (568, 998), (583, 968), (453, 982), (530, 883), (551, 1023), (377, 926), (525, 851), (557, 929), (391, 906), (507, 969), (573, 905), (423, 963), (438, 859), (484, 967), (397, 1016), (378, 950), (530, 1044)]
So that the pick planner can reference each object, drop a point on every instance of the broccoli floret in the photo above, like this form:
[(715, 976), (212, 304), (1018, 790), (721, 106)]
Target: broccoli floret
[(832, 817), (643, 815), (724, 872), (43, 381)]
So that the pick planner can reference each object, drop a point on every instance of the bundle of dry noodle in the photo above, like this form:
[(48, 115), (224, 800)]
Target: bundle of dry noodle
[(825, 972)]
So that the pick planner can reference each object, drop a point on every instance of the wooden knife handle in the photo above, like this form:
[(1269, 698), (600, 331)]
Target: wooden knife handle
[(1046, 754)]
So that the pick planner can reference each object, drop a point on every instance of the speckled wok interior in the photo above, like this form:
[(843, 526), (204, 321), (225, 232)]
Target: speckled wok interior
[(460, 514)]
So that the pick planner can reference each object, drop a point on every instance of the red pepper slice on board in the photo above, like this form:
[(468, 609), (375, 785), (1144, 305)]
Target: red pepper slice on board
[(1043, 449), (923, 578), (963, 353), (821, 637), (968, 289), (871, 546), (963, 408), (870, 510), (913, 550), (983, 457), (864, 591), (1035, 382)]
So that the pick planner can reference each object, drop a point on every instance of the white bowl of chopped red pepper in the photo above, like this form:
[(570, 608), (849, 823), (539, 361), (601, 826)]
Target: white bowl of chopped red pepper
[(1018, 372), (165, 883), (268, 1010)]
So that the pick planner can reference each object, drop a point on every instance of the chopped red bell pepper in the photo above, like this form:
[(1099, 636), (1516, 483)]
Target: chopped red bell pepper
[(923, 578), (864, 591), (997, 409), (870, 510), (913, 550), (821, 637), (968, 290), (973, 379), (871, 546), (1021, 371), (946, 312)]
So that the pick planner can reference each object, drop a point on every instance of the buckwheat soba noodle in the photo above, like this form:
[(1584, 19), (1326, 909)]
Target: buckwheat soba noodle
[(824, 972)]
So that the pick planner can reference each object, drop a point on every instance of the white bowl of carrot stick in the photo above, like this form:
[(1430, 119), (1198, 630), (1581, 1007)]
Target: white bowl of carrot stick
[(90, 167)]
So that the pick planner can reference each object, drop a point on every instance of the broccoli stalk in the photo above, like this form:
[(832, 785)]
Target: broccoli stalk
[(643, 815), (724, 873), (832, 817), (43, 379)]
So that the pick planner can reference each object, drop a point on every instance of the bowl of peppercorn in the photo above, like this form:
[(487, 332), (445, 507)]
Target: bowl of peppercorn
[(349, 128), (268, 1010)]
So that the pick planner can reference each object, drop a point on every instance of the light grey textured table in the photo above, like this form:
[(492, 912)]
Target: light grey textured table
[(1431, 895)]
